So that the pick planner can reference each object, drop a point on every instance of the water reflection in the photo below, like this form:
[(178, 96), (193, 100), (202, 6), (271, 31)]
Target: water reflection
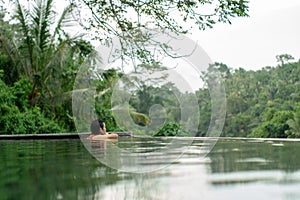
[(139, 155), (235, 169), (249, 155), (51, 170), (255, 161)]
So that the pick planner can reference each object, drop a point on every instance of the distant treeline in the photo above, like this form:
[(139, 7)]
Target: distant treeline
[(262, 103)]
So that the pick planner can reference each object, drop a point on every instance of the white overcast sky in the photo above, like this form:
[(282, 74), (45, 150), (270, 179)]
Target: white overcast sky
[(273, 28)]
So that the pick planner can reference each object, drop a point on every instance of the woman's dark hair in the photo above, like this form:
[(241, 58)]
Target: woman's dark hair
[(96, 125)]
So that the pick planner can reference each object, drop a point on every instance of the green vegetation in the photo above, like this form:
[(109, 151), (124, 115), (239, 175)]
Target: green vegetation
[(263, 103), (16, 115), (171, 129), (39, 62)]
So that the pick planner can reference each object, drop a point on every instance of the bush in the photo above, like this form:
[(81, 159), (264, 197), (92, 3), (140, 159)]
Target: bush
[(274, 127), (20, 90), (171, 129), (28, 122), (16, 115)]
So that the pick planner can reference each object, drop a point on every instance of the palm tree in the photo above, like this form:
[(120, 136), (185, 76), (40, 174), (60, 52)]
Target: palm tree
[(41, 50)]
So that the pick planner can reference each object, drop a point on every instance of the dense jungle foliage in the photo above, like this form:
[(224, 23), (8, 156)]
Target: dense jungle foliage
[(39, 62), (262, 103)]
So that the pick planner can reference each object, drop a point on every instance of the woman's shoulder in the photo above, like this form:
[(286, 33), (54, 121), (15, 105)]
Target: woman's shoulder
[(107, 136)]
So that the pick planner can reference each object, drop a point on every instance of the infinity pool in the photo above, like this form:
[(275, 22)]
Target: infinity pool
[(234, 169)]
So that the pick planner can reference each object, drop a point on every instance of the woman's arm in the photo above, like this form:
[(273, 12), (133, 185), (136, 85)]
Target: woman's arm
[(107, 136)]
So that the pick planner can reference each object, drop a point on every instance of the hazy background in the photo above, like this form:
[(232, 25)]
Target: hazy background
[(273, 28)]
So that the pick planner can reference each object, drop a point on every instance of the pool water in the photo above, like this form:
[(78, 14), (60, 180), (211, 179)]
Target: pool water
[(234, 169)]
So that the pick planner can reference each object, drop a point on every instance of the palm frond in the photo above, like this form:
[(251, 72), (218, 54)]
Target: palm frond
[(9, 46), (59, 56), (64, 20), (22, 17), (42, 19)]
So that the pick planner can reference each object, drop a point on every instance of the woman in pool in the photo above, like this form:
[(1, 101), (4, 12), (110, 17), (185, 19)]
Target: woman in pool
[(99, 131)]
